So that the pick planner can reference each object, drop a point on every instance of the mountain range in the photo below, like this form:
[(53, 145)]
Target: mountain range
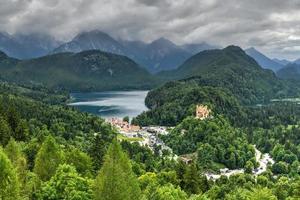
[(27, 46), (94, 70), (158, 55)]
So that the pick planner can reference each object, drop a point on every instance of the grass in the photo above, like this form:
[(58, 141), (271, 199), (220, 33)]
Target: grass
[(122, 137)]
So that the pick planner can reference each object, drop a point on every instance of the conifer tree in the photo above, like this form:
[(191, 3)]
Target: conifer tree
[(48, 159), (9, 185), (14, 153), (193, 182), (116, 180), (5, 131)]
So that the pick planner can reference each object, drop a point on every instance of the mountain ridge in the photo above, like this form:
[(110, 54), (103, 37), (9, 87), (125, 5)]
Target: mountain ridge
[(91, 70), (263, 60)]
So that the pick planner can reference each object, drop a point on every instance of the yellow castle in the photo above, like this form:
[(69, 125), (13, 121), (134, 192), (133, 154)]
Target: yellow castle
[(202, 112)]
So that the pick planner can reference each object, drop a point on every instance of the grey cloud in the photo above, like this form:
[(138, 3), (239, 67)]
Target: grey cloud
[(271, 25)]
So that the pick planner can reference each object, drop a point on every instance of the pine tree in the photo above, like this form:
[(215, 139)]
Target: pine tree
[(48, 159), (9, 185), (116, 180), (5, 131), (14, 153), (193, 182)]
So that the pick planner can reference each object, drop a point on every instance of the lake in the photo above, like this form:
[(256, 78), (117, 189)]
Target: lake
[(111, 104)]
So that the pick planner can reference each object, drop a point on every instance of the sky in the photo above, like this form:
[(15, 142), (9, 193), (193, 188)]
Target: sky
[(271, 26)]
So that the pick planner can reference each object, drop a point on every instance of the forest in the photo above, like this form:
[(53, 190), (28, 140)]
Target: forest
[(51, 151)]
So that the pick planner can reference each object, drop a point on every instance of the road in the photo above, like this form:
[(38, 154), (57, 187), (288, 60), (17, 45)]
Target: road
[(262, 159)]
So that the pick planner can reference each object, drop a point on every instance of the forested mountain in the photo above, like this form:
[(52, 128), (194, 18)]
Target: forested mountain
[(176, 100), (233, 69), (290, 72), (27, 46), (85, 71), (263, 60)]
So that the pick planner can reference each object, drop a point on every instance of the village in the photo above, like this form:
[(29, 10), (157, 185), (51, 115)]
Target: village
[(146, 136), (149, 136)]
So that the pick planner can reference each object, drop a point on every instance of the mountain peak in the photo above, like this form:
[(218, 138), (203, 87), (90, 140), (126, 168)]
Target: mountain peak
[(233, 48), (92, 33), (3, 55), (162, 42)]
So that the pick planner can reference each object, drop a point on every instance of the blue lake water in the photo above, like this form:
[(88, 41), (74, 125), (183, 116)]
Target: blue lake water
[(111, 104)]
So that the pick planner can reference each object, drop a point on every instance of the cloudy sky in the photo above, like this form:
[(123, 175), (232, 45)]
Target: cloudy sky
[(272, 26)]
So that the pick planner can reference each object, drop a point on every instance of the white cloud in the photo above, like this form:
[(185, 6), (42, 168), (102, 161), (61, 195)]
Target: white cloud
[(270, 25)]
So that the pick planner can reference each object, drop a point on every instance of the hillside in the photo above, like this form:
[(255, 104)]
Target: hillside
[(174, 101), (233, 69), (86, 71), (290, 72), (263, 60)]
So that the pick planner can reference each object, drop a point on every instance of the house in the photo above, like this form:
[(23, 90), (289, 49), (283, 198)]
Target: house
[(123, 125)]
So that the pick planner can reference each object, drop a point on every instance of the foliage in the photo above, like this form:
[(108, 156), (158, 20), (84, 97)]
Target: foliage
[(215, 140), (66, 184), (116, 179), (9, 185), (174, 101), (48, 159)]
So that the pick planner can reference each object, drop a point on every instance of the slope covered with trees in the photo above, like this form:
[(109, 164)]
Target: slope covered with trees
[(233, 69), (86, 71), (49, 151), (176, 100)]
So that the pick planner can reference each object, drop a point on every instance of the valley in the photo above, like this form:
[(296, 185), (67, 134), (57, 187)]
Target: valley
[(193, 128), (149, 100)]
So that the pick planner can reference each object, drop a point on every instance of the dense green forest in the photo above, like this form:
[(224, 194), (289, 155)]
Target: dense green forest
[(50, 151), (176, 100)]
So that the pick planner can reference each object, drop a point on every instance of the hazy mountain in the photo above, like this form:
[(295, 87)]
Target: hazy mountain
[(297, 61), (27, 46), (162, 54), (290, 72), (91, 70), (230, 68), (156, 56), (263, 60), (92, 40), (281, 61)]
